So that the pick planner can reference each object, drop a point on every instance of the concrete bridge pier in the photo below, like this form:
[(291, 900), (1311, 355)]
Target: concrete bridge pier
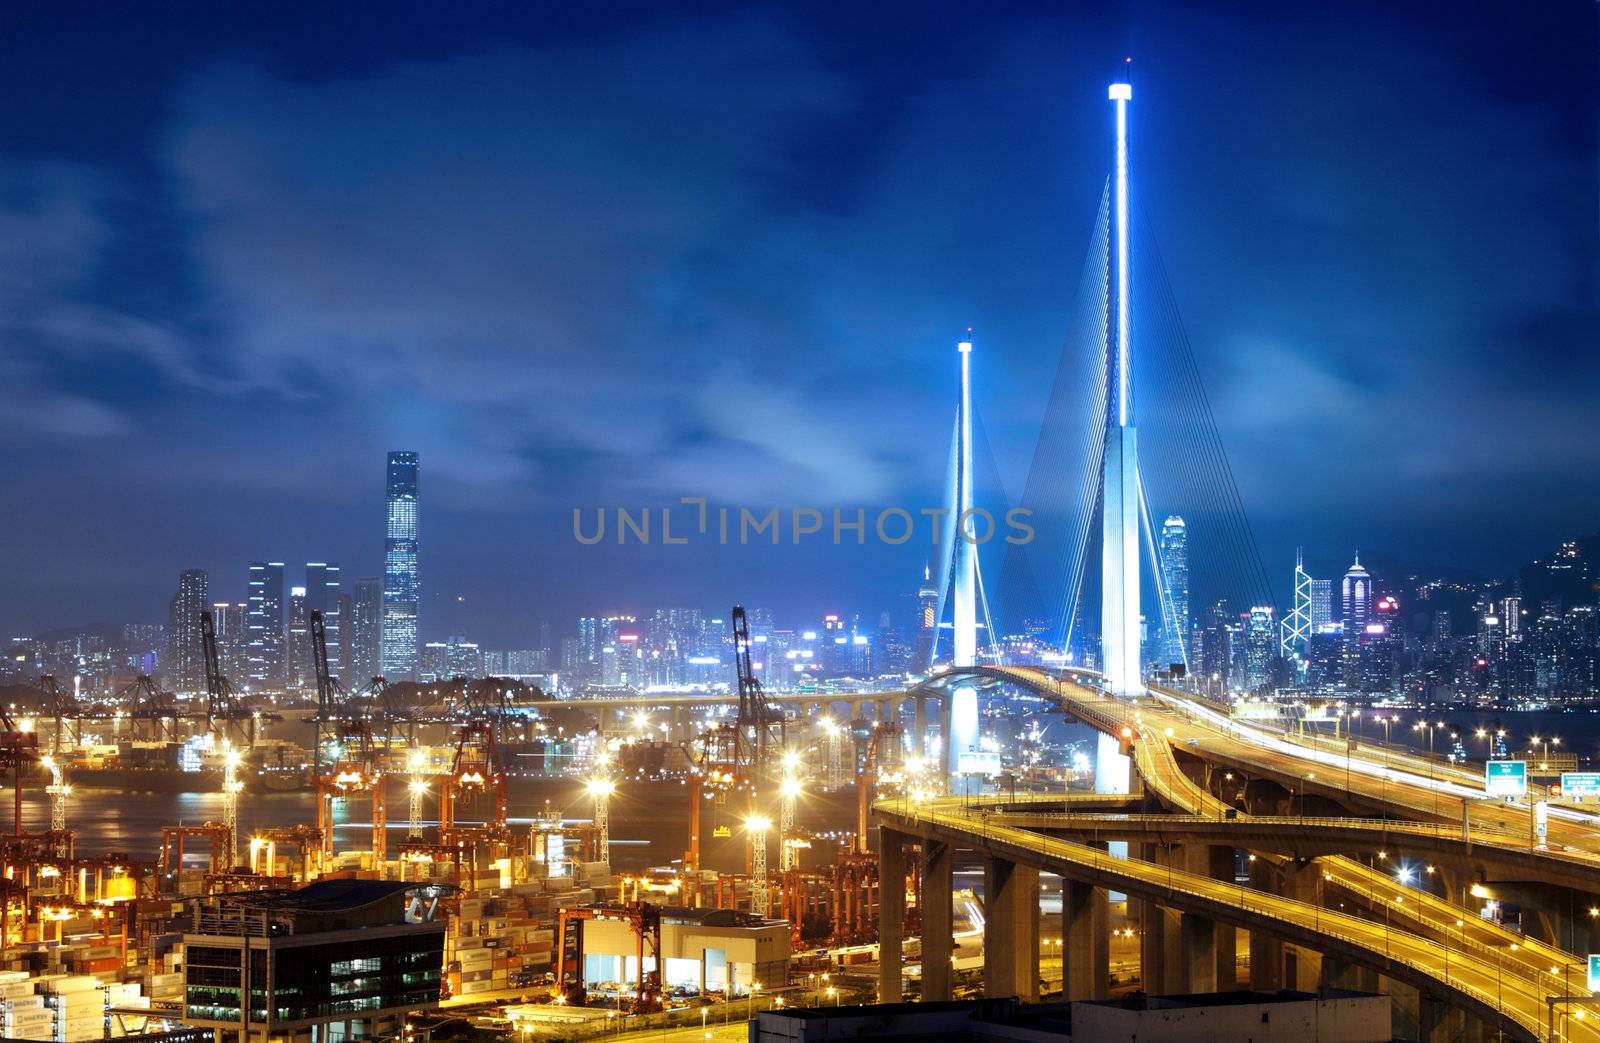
[(937, 942), (1340, 973), (1266, 949), (1010, 930), (1197, 937), (1440, 1022), (1158, 936), (919, 727), (1302, 882), (891, 913), (1210, 950), (1086, 941)]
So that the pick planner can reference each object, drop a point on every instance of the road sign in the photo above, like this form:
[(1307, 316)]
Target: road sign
[(1541, 821), (1594, 972), (1580, 784), (1505, 778), (978, 762)]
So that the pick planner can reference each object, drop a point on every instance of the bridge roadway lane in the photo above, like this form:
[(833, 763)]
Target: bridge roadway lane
[(1483, 980), (1157, 766), (1321, 839), (1572, 854)]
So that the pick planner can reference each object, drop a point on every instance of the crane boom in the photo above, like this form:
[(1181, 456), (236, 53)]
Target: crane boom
[(756, 717), (219, 690)]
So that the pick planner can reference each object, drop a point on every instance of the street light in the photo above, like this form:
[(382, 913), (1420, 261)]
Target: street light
[(417, 788), (757, 826), (601, 789)]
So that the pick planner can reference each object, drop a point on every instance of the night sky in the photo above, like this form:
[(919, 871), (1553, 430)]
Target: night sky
[(613, 254)]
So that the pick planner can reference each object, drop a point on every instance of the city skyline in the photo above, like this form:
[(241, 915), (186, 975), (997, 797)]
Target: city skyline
[(1314, 357)]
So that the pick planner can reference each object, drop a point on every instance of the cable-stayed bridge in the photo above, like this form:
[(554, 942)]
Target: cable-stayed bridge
[(1343, 864)]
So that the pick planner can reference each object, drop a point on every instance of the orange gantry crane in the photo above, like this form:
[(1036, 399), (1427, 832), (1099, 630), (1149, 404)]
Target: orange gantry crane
[(645, 919), (476, 770), (19, 748), (477, 773), (357, 770), (358, 766)]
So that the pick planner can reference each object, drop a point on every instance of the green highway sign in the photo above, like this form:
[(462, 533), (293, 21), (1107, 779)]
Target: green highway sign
[(1580, 784), (1505, 778)]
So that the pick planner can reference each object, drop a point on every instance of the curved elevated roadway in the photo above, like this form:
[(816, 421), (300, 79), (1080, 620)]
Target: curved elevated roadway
[(1482, 980)]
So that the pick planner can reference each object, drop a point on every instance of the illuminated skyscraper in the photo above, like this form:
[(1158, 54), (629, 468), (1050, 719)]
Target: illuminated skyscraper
[(402, 587), (325, 594), (187, 671), (1296, 627), (1321, 604), (233, 636), (1357, 593), (1261, 648), (1174, 552), (927, 621), (264, 623), (300, 671), (366, 610)]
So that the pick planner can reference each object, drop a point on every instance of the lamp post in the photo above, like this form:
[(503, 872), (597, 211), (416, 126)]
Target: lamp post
[(757, 826), (601, 788)]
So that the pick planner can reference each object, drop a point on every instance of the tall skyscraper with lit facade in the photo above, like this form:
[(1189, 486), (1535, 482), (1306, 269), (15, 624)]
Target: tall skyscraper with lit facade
[(188, 667), (366, 609), (1321, 604), (298, 651), (927, 621), (264, 625), (1173, 547), (233, 638), (402, 587), (1357, 594), (325, 593)]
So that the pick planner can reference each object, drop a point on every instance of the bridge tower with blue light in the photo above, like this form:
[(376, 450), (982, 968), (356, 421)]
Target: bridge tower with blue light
[(959, 576), (1119, 548)]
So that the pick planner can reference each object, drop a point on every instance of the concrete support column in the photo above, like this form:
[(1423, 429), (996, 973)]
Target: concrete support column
[(1217, 964), (1011, 930), (919, 726), (1266, 949), (887, 711), (1428, 1019), (1086, 942), (1223, 865), (937, 933), (1198, 940), (1302, 881), (1159, 962), (891, 913)]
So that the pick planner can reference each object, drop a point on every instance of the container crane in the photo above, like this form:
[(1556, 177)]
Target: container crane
[(19, 747), (330, 693), (476, 769), (357, 767), (760, 726), (645, 919), (222, 703)]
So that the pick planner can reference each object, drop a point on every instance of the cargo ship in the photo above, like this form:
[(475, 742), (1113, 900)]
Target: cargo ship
[(143, 766)]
